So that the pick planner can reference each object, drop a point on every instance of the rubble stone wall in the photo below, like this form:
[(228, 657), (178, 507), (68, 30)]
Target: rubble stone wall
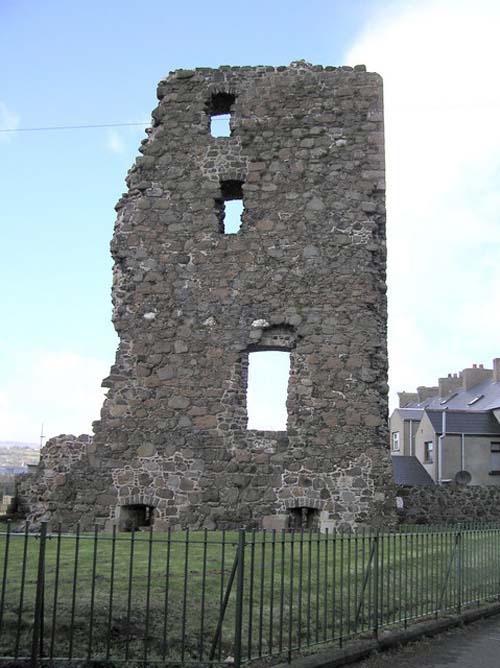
[(305, 274), (449, 504)]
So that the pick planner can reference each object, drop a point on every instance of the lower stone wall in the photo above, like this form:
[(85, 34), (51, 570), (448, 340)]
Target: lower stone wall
[(448, 504), (259, 481)]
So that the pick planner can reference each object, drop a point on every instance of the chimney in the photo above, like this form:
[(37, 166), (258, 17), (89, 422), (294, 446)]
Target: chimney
[(424, 393), (475, 375), (449, 385), (496, 369), (406, 398)]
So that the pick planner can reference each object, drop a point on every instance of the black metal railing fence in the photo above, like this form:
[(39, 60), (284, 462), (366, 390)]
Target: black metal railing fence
[(208, 597)]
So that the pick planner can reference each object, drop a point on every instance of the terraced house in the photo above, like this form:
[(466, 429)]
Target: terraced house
[(452, 429)]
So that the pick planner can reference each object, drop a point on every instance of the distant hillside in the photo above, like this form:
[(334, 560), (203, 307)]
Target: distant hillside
[(16, 454)]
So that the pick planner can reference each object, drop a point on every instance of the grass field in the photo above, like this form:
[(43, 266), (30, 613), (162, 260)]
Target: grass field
[(159, 596)]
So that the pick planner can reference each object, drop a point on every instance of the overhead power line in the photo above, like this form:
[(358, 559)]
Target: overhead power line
[(82, 127), (72, 127)]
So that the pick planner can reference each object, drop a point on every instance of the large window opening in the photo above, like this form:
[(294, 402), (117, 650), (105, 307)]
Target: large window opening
[(219, 108), (230, 206), (268, 375)]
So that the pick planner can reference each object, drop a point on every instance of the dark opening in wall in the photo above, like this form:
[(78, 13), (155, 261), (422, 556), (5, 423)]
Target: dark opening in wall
[(303, 518), (219, 109), (230, 206), (267, 390), (136, 516)]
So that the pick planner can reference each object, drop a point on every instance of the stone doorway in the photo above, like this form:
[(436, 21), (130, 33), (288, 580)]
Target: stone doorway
[(136, 516), (303, 518)]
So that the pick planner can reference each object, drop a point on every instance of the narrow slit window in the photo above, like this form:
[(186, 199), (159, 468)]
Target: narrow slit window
[(268, 374), (230, 207), (219, 109)]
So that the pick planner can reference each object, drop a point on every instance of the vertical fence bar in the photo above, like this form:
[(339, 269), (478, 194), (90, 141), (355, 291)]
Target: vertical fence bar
[(325, 585), (221, 590), (111, 591), (317, 584), (261, 589), (341, 602), (203, 592), (167, 593), (73, 593), (290, 603), (4, 575), (271, 590), (240, 584), (92, 595), (21, 593), (250, 594), (184, 597), (459, 571), (282, 591), (376, 586), (148, 593), (38, 618), (56, 590), (129, 594)]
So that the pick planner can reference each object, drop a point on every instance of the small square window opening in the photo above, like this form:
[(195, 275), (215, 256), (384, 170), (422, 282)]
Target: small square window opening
[(220, 126)]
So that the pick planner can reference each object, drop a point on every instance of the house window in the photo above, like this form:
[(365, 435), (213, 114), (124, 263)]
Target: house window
[(428, 452), (495, 458), (395, 441), (267, 391), (219, 109), (230, 206)]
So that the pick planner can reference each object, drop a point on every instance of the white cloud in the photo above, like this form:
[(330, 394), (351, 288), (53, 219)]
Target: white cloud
[(59, 388), (9, 120), (439, 60), (115, 142)]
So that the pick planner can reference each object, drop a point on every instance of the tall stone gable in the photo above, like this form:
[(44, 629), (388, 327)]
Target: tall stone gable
[(305, 274)]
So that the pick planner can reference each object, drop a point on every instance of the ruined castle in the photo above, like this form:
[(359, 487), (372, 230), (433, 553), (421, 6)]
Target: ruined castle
[(305, 274)]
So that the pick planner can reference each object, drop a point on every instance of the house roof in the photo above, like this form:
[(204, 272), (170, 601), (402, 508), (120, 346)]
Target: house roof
[(409, 471), (465, 422), (410, 413), (487, 394)]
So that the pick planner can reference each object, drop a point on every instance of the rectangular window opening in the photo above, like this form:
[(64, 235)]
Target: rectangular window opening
[(220, 125), (428, 452), (267, 391), (230, 207), (219, 107)]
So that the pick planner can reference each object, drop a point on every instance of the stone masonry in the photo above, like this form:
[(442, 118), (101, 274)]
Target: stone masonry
[(305, 274)]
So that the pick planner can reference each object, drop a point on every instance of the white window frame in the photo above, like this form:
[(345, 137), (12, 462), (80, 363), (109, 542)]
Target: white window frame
[(395, 442)]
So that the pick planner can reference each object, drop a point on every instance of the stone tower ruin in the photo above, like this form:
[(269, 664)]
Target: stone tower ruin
[(304, 274)]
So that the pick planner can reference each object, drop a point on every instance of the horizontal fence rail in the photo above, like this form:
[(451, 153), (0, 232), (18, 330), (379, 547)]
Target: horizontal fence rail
[(228, 597)]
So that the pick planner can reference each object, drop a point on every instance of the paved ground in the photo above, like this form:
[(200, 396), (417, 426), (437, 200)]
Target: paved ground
[(474, 646)]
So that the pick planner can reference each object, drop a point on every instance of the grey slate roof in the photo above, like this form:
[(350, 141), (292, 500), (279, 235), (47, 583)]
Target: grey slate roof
[(465, 422), (410, 413), (409, 471), (490, 390)]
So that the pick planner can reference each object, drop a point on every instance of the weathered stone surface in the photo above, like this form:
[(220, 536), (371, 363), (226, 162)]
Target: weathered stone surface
[(448, 504), (305, 274)]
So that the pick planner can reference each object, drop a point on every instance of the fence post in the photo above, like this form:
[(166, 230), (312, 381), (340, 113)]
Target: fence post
[(376, 568), (459, 569), (240, 582), (37, 637)]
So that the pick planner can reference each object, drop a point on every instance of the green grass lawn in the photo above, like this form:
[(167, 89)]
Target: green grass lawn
[(154, 596)]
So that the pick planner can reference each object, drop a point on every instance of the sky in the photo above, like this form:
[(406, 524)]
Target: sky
[(93, 63)]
